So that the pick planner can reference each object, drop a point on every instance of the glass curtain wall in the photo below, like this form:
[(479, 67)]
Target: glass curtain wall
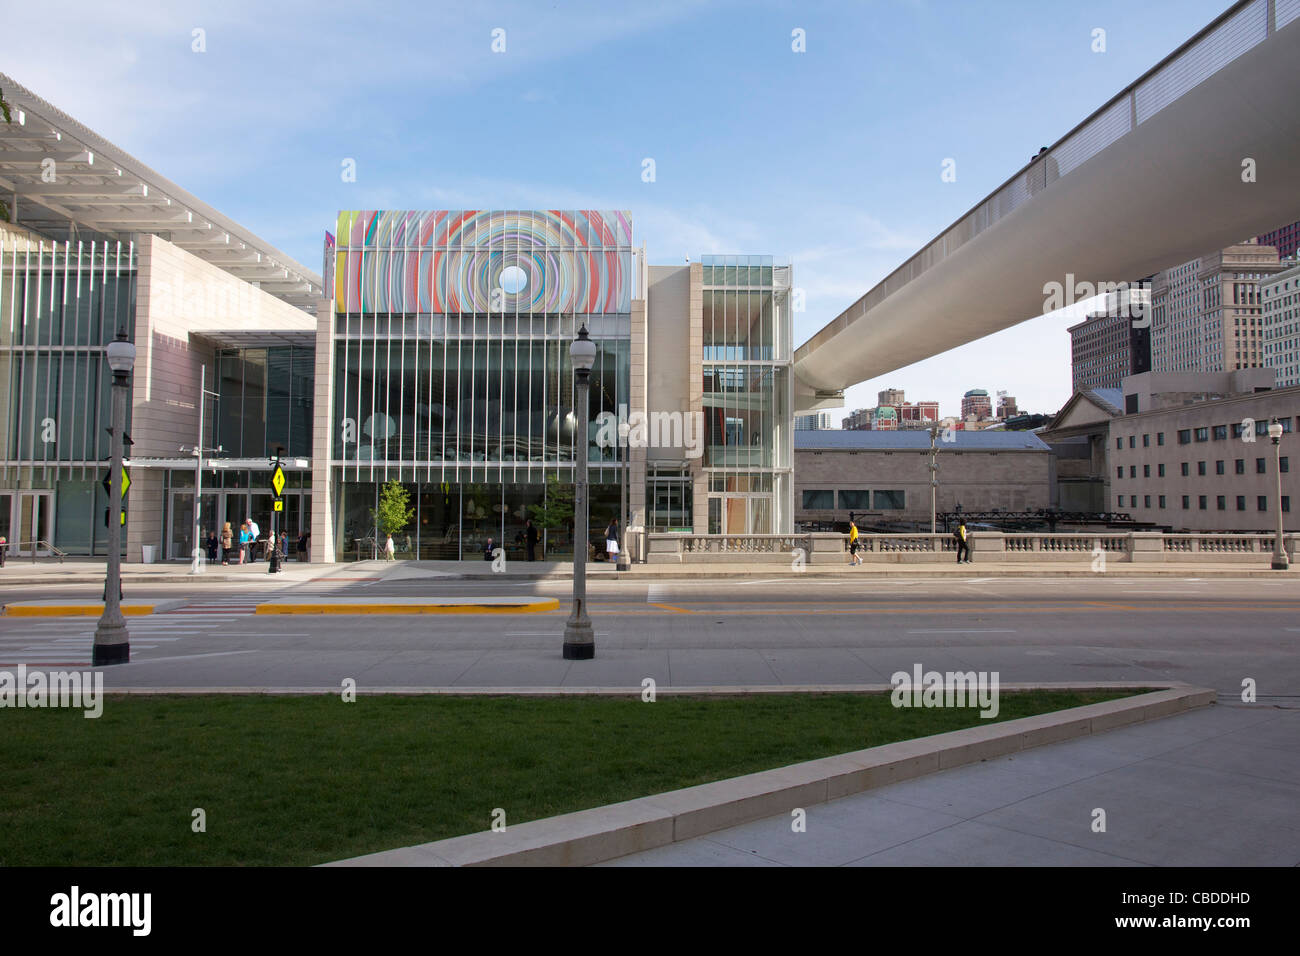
[(747, 394), (60, 304), (265, 399), (451, 354)]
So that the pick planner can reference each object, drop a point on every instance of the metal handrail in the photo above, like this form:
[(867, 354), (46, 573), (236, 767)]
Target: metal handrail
[(36, 546)]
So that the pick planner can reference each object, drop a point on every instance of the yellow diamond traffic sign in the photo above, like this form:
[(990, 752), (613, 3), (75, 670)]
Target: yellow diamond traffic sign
[(277, 481), (126, 482)]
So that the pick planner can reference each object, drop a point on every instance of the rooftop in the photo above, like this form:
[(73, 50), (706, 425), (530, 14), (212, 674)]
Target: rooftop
[(915, 440), (101, 191)]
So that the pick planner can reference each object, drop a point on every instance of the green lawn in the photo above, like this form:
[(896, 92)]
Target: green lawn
[(302, 780)]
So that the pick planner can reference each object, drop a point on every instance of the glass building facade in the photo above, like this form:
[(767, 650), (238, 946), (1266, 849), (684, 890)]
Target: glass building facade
[(747, 394), (265, 399), (60, 304), (451, 374)]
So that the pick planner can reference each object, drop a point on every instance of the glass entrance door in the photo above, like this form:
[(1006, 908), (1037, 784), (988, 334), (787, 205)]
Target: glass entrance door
[(32, 523), (180, 539)]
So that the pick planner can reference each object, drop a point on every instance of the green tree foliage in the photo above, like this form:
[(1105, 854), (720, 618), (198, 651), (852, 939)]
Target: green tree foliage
[(395, 511), (557, 512)]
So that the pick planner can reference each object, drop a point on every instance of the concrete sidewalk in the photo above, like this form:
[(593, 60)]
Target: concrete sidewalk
[(1217, 786), (86, 571)]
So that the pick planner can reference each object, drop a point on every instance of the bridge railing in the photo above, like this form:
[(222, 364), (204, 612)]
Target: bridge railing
[(990, 546)]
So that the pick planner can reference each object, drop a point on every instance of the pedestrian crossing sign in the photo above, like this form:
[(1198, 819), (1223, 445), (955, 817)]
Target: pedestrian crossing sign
[(279, 505), (277, 481)]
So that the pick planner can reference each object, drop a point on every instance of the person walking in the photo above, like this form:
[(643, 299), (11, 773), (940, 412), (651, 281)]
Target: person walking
[(227, 542), (243, 541), (531, 538), (389, 549), (611, 540), (254, 532), (854, 545), (211, 546), (302, 546), (963, 547)]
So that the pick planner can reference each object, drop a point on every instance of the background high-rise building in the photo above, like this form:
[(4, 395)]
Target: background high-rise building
[(976, 403), (1286, 240), (893, 412), (1207, 314), (1007, 406), (1106, 346), (1281, 298), (814, 422)]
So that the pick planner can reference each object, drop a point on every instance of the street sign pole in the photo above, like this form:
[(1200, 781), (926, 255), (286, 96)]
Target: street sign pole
[(277, 488)]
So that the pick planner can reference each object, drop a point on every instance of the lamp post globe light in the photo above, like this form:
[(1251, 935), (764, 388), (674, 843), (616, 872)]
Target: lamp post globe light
[(1280, 562), (112, 641), (579, 640)]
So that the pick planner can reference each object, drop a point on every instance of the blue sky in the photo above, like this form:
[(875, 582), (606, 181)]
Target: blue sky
[(830, 157)]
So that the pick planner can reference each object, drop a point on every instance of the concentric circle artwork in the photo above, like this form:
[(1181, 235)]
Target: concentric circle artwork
[(543, 261)]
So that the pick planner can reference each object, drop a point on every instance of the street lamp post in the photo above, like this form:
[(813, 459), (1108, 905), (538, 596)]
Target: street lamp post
[(579, 640), (112, 640), (196, 567), (1280, 562), (934, 474), (624, 562)]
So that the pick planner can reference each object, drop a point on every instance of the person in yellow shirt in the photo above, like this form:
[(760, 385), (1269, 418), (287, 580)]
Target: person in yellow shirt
[(963, 546), (854, 557)]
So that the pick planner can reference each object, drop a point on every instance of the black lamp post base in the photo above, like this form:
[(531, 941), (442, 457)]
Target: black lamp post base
[(1281, 564), (102, 655), (579, 641), (579, 652)]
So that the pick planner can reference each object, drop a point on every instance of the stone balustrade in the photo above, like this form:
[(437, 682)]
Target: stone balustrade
[(824, 548)]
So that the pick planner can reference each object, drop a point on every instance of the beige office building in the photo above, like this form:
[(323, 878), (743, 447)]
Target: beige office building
[(1206, 466), (1281, 295), (1207, 314)]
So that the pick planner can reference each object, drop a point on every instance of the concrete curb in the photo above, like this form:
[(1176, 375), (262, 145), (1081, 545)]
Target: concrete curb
[(444, 606), (701, 690), (606, 833), (697, 572), (71, 610)]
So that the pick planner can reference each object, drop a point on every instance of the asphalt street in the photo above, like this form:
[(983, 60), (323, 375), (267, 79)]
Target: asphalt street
[(779, 630)]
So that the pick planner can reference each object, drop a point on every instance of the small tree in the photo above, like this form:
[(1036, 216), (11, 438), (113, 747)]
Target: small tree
[(557, 510), (395, 511)]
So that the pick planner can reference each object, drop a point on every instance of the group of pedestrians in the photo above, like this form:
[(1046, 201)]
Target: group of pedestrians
[(241, 547), (963, 545)]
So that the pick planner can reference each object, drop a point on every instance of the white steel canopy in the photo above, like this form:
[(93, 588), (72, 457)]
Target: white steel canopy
[(97, 188)]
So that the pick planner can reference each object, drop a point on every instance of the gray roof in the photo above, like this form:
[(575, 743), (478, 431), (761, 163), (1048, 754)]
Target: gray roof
[(915, 440), (1114, 397)]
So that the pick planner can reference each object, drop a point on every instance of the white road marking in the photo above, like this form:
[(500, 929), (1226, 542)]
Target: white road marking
[(964, 630), (188, 657)]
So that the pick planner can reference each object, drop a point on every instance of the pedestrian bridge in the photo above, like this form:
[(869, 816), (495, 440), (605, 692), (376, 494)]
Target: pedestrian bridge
[(1200, 152)]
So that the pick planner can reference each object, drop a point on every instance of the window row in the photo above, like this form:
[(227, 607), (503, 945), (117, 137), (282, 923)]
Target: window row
[(875, 500), (1239, 468), (1202, 502)]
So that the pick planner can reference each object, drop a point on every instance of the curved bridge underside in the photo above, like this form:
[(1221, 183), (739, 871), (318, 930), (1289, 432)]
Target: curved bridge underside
[(1151, 180)]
